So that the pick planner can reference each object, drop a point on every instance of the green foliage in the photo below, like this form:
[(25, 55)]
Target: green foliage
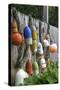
[(53, 16), (35, 11), (48, 77)]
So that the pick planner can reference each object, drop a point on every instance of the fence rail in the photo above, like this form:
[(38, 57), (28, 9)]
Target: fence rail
[(24, 20)]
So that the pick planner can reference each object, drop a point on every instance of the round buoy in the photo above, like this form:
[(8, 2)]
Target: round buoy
[(16, 38), (40, 48), (20, 76), (46, 43), (27, 32), (53, 48), (43, 63)]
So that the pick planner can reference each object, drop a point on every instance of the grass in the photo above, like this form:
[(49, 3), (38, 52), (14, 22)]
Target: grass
[(48, 77)]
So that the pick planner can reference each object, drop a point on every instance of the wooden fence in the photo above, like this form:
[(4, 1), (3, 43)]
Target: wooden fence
[(24, 20)]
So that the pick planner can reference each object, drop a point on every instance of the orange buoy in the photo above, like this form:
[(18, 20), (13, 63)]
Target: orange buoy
[(14, 26), (53, 48), (16, 38), (29, 67)]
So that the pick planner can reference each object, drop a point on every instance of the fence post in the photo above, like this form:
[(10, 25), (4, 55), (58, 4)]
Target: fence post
[(47, 49), (40, 31)]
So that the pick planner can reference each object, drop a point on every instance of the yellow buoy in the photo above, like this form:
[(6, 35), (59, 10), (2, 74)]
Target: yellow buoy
[(34, 33), (35, 46)]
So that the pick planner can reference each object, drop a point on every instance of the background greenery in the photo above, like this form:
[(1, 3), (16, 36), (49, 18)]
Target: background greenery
[(48, 77), (37, 12), (53, 16)]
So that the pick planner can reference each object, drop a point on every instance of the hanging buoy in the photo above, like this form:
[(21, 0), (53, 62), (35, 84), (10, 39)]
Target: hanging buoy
[(27, 32), (27, 35), (40, 48), (53, 48), (46, 43), (20, 76), (48, 62), (28, 53), (34, 46), (14, 26), (29, 67), (28, 41), (16, 38), (47, 36), (34, 33), (35, 68), (42, 63)]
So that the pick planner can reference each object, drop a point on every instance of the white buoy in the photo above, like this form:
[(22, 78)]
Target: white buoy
[(40, 48), (46, 43), (43, 63), (29, 41), (20, 75)]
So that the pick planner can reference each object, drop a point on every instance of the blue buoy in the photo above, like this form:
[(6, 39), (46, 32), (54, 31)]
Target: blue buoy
[(27, 32)]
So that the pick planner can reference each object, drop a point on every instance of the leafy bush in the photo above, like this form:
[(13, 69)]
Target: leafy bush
[(48, 77)]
